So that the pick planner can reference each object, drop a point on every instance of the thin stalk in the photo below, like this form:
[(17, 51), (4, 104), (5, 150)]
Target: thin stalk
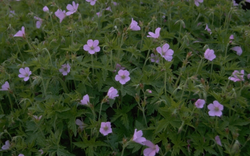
[(211, 68), (93, 112), (100, 111), (146, 59), (111, 57), (44, 89), (124, 146), (70, 140), (48, 55), (165, 82), (19, 51), (11, 104), (198, 67), (92, 64), (120, 46), (52, 23), (143, 112), (183, 88)]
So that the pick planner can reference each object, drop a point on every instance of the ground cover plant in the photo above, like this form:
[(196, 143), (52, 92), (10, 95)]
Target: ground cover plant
[(125, 78)]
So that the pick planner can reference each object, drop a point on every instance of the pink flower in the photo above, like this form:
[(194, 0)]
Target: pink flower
[(108, 9), (154, 58), (6, 146), (215, 109), (20, 154), (112, 93), (99, 14), (200, 103), (208, 29), (149, 91), (217, 139), (72, 8), (92, 2), (65, 69), (156, 34), (234, 3), (231, 37), (165, 52), (80, 124), (237, 49), (92, 46), (118, 67), (248, 76), (20, 33), (85, 100), (38, 22), (237, 76), (209, 54), (134, 25), (45, 9), (60, 14), (115, 3), (41, 151), (25, 73), (37, 118), (197, 2), (122, 76), (105, 128), (5, 86), (12, 13), (152, 150), (137, 137)]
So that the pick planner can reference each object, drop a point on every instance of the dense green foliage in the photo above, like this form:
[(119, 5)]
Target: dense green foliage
[(167, 116)]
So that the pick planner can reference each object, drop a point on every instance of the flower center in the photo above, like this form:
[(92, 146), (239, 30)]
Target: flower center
[(92, 48), (106, 128), (26, 75), (65, 69), (123, 76), (216, 109)]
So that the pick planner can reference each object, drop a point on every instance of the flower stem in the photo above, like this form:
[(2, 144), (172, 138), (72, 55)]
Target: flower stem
[(19, 51), (11, 104), (211, 68), (198, 67), (124, 146), (93, 112), (165, 82), (146, 59), (92, 64), (100, 111), (143, 111), (52, 23)]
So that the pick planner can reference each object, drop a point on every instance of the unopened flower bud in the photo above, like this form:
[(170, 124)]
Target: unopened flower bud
[(181, 127), (202, 81), (168, 148), (235, 135), (124, 140), (143, 103), (227, 131), (45, 9), (141, 86), (236, 147), (189, 54), (140, 23), (137, 98)]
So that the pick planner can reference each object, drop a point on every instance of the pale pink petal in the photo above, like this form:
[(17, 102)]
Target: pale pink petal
[(95, 43), (90, 43)]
